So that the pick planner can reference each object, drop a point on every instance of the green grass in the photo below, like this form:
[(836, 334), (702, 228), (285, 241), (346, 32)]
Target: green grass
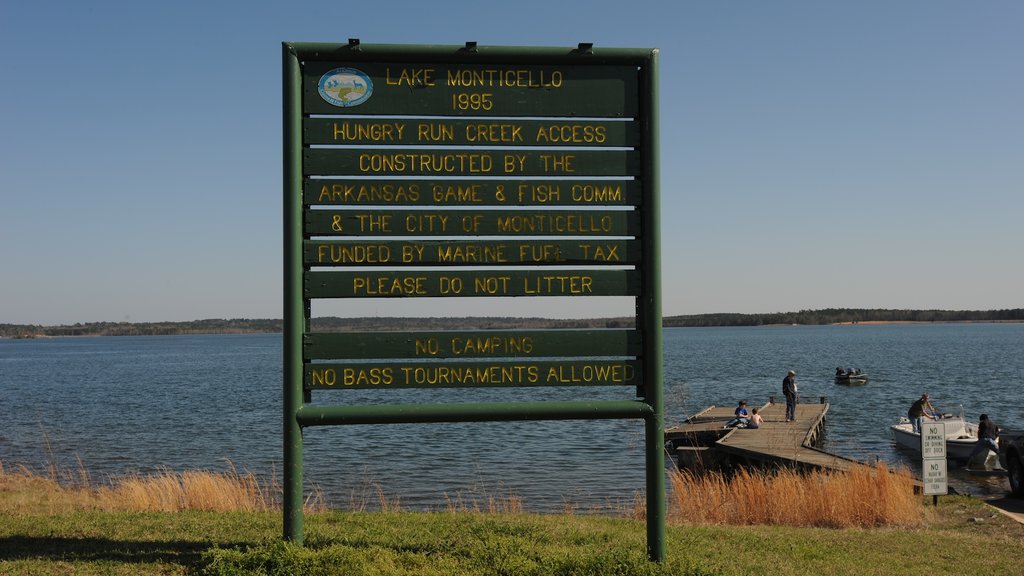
[(962, 536)]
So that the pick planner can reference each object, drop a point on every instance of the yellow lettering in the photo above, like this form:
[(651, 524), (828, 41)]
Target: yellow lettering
[(456, 193), (505, 78), (410, 77), (558, 285), (434, 132), (578, 223), (426, 222), (540, 253), (472, 253), (454, 375), (587, 193), (590, 374), (559, 163), (425, 163), (389, 286), (491, 346), (572, 134), (491, 284), (375, 376), (494, 133), (539, 193), (324, 377), (353, 253), (372, 132)]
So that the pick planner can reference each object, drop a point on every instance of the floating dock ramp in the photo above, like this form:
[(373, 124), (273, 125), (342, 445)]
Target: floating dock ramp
[(704, 442)]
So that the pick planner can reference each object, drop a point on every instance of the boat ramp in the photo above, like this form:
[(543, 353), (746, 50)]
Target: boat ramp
[(703, 442)]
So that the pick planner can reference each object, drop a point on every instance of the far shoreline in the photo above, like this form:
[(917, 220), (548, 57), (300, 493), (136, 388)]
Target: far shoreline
[(878, 322), (395, 328), (824, 317)]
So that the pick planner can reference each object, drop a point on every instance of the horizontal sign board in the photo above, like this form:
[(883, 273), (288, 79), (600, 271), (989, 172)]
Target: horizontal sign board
[(469, 252), (569, 192), (934, 477), (468, 162), (476, 132), (545, 282), (471, 344), (470, 374), (447, 89), (933, 440), (472, 223)]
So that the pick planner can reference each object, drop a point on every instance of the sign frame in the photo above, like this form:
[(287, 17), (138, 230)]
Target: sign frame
[(533, 76)]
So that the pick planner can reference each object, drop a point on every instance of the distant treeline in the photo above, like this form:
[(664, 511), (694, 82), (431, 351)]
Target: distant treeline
[(326, 324), (846, 316), (211, 326), (334, 324)]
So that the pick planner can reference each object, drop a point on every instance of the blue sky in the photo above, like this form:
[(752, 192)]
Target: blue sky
[(814, 154)]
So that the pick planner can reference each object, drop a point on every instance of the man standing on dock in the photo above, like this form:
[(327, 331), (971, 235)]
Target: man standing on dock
[(789, 391)]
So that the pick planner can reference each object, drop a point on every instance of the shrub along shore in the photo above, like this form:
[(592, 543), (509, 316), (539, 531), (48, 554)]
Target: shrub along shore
[(865, 522)]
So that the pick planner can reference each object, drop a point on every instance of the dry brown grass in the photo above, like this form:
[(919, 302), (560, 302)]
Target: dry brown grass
[(23, 491), (863, 497), (170, 491)]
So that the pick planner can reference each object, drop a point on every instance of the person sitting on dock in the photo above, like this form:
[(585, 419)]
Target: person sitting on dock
[(742, 416), (988, 434), (920, 409), (755, 419)]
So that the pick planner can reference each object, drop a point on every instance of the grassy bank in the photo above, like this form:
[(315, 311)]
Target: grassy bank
[(53, 529), (963, 537)]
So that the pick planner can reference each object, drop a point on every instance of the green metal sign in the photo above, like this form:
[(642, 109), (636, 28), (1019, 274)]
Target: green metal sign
[(465, 172)]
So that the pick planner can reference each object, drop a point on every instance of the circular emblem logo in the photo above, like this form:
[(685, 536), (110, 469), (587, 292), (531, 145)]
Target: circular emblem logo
[(345, 87)]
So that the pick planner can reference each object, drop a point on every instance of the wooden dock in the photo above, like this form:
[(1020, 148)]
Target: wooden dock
[(703, 441)]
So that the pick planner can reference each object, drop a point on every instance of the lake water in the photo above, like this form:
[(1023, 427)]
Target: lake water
[(122, 405)]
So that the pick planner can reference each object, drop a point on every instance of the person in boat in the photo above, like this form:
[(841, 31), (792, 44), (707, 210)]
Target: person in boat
[(742, 415), (988, 437), (789, 391), (919, 410), (839, 372), (755, 419)]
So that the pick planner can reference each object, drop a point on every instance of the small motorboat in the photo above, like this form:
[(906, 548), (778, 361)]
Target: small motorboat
[(851, 377), (961, 436)]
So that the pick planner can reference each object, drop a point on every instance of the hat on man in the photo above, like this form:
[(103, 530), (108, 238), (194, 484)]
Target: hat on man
[(792, 372)]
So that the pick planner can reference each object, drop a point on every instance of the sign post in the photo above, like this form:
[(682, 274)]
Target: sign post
[(933, 459), (469, 171)]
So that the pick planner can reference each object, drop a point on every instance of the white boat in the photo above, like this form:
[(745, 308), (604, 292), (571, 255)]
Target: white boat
[(961, 436)]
